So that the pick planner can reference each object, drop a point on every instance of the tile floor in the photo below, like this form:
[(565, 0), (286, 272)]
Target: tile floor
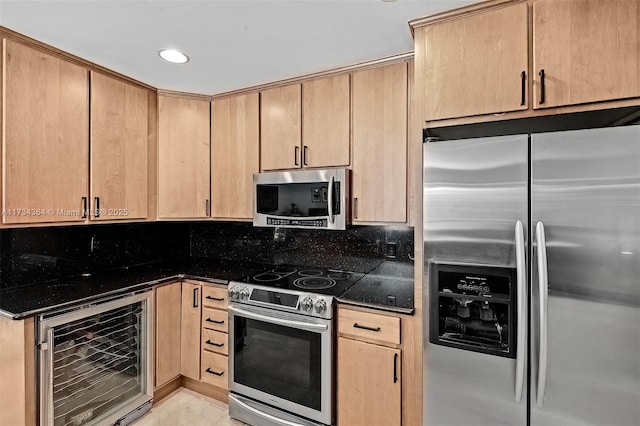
[(187, 408)]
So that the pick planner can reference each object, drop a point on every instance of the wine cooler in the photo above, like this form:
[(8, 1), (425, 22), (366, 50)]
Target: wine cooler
[(95, 363)]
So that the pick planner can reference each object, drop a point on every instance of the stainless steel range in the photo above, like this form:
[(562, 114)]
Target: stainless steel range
[(281, 331)]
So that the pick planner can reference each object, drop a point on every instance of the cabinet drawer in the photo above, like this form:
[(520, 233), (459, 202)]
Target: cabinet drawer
[(382, 328), (215, 341), (214, 297), (215, 319), (214, 369)]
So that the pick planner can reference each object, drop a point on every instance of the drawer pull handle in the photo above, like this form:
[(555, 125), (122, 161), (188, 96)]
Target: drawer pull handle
[(364, 327), (214, 321), (209, 342), (217, 299), (215, 373)]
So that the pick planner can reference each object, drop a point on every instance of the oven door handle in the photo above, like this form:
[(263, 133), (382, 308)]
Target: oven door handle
[(287, 323), (274, 419)]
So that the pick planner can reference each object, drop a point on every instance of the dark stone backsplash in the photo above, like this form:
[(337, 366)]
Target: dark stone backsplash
[(359, 248), (31, 255), (34, 255)]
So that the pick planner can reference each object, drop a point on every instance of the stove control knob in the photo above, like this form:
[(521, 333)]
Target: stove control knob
[(306, 304), (233, 293), (244, 293), (320, 306)]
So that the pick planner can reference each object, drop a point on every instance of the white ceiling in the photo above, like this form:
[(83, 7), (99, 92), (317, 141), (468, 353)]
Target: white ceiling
[(232, 43)]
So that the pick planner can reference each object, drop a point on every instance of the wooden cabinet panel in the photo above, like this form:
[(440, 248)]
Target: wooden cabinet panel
[(589, 50), (280, 128), (368, 384), (183, 158), (235, 148), (380, 144), (326, 121), (45, 137), (168, 316), (370, 326), (473, 65), (214, 369), (119, 144), (215, 319), (215, 341), (191, 330), (214, 297)]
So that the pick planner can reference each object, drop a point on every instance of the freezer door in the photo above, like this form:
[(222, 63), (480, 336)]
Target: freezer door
[(585, 302), (475, 192)]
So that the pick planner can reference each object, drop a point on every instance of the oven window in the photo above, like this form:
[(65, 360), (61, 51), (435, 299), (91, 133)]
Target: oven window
[(281, 361)]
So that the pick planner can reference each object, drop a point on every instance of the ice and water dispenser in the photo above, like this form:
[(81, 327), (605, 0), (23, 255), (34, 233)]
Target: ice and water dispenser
[(473, 307)]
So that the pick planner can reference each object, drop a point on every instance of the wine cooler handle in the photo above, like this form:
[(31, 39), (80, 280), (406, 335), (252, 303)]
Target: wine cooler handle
[(543, 291), (521, 280)]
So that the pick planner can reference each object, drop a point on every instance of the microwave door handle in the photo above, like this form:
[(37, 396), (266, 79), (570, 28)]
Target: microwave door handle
[(287, 323), (330, 199), (543, 292), (521, 280)]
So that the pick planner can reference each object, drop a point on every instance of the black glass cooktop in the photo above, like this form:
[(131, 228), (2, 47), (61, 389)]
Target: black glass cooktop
[(331, 282)]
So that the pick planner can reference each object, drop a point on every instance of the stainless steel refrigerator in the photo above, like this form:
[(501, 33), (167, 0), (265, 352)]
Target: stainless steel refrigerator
[(532, 279)]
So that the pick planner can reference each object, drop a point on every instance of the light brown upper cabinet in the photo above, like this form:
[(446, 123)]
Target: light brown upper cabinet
[(326, 121), (235, 147), (380, 144), (280, 128), (45, 137), (475, 64), (183, 157), (119, 145), (589, 51)]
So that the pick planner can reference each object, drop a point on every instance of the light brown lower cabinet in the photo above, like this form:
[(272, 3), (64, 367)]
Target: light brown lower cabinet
[(215, 338), (168, 331), (17, 372), (191, 338), (369, 384), (369, 368), (190, 330)]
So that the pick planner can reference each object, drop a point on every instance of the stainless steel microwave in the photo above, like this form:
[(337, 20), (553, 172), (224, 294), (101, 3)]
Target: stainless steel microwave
[(316, 199)]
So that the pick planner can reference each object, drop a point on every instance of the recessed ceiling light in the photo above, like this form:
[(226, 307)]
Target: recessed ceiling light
[(173, 56)]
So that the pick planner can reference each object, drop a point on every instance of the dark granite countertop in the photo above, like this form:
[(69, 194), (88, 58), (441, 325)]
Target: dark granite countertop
[(25, 301), (388, 286)]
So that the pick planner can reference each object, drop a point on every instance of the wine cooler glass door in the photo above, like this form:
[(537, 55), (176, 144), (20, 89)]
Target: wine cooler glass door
[(95, 362)]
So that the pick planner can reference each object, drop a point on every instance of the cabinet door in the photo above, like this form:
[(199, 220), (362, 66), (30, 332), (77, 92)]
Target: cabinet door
[(190, 330), (325, 121), (45, 137), (380, 144), (235, 147), (119, 144), (369, 384), (183, 158), (589, 51), (474, 65), (280, 132), (168, 317)]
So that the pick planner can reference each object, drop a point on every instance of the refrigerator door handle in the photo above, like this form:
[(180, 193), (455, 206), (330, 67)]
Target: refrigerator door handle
[(521, 279), (543, 291)]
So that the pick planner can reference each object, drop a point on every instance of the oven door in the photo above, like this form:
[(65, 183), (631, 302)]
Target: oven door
[(282, 359)]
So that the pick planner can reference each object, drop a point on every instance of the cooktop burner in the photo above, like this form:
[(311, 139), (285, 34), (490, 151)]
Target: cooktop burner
[(316, 280), (314, 283)]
